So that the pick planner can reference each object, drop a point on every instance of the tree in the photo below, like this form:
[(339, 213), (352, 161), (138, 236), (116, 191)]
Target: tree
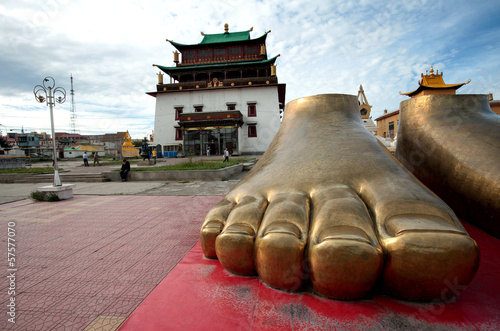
[(5, 144)]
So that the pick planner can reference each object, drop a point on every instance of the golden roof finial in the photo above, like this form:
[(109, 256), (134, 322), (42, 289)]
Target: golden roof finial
[(226, 27), (202, 33), (432, 71)]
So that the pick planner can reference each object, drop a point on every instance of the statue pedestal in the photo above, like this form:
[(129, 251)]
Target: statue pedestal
[(64, 191), (129, 152)]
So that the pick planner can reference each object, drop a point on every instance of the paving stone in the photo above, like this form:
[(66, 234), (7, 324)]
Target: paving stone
[(91, 260)]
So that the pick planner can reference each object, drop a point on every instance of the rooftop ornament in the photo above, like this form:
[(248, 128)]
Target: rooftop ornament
[(47, 92)]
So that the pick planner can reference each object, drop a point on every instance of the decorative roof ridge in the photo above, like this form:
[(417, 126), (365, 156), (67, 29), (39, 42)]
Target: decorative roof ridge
[(221, 38)]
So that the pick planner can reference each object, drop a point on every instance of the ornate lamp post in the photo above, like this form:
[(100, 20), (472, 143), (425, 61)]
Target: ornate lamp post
[(51, 94)]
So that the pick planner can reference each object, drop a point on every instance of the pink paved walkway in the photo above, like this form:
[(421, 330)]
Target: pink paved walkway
[(91, 260)]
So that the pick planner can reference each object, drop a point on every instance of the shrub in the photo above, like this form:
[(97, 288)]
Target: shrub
[(41, 196), (37, 196), (53, 197)]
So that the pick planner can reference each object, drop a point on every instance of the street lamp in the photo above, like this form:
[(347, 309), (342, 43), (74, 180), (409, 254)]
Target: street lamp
[(47, 92)]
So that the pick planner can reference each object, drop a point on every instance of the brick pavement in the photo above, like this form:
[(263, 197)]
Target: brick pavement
[(88, 262)]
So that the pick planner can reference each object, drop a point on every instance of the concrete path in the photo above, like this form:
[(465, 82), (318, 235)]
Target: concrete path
[(15, 192)]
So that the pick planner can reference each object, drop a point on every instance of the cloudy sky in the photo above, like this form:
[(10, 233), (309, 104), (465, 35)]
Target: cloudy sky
[(326, 46)]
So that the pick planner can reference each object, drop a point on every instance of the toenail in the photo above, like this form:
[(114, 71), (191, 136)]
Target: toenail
[(213, 226), (344, 232), (242, 229), (398, 225), (283, 227)]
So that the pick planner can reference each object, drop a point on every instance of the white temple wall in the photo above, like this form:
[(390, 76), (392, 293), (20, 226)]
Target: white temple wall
[(267, 106)]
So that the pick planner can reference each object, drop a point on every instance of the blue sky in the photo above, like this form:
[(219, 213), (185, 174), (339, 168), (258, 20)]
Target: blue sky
[(325, 46)]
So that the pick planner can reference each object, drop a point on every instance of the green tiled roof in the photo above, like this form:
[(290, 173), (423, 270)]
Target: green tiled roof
[(169, 70)]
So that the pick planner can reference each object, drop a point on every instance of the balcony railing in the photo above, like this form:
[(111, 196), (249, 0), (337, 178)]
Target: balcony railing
[(232, 82)]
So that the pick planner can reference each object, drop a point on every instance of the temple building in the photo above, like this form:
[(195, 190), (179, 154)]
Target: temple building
[(222, 93), (431, 83), (434, 84)]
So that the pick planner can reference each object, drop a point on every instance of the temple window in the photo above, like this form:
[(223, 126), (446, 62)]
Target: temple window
[(234, 52), (178, 112), (219, 54), (204, 55), (178, 134), (188, 56), (252, 110), (252, 131), (198, 108), (231, 105), (251, 51)]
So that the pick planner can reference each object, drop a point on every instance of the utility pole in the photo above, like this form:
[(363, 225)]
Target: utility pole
[(74, 122)]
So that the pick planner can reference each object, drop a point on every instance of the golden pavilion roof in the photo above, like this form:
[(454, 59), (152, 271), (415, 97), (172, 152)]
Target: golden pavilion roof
[(433, 81)]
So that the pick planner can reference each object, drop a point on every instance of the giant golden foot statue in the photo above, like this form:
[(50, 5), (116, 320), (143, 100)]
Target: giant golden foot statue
[(326, 206), (452, 144)]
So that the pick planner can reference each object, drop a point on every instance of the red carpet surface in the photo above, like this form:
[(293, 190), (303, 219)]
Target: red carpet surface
[(200, 295)]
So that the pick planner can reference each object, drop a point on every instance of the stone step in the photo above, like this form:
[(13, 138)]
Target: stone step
[(248, 165), (65, 178)]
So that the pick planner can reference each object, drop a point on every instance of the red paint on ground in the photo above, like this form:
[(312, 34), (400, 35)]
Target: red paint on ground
[(199, 295)]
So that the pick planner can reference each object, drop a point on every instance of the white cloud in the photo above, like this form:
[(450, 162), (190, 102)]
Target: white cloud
[(325, 47)]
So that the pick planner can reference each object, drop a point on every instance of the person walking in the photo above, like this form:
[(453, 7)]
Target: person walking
[(208, 151), (124, 170), (226, 155), (154, 155), (96, 159), (85, 159)]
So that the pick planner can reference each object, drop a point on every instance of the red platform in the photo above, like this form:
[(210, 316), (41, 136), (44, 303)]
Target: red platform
[(200, 295)]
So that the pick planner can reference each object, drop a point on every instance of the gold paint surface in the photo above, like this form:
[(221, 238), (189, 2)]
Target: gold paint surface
[(452, 144), (328, 205)]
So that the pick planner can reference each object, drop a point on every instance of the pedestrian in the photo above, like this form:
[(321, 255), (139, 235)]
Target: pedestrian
[(208, 151), (85, 159), (124, 170), (226, 155), (154, 155), (53, 161), (96, 159)]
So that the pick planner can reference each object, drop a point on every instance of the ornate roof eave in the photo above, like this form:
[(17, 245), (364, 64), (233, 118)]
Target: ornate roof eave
[(423, 87), (205, 66), (181, 47)]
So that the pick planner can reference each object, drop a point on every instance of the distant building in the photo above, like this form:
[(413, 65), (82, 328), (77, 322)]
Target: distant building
[(78, 150), (113, 143), (223, 94), (388, 124), (494, 105)]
